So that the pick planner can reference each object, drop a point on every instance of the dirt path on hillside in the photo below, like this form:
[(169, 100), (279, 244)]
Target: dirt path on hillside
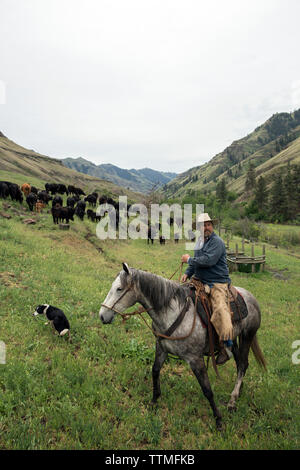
[(90, 237)]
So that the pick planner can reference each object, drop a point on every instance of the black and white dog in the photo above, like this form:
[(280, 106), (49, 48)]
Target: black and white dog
[(56, 317)]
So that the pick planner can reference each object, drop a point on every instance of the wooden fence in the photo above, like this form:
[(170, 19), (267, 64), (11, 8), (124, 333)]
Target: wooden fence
[(238, 258)]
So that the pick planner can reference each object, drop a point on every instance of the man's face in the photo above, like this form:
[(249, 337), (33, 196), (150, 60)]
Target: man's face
[(208, 229)]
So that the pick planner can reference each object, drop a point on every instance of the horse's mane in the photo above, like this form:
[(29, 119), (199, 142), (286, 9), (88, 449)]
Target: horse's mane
[(158, 290)]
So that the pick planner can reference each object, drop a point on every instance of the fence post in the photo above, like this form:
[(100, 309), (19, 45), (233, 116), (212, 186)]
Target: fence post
[(264, 255), (252, 256)]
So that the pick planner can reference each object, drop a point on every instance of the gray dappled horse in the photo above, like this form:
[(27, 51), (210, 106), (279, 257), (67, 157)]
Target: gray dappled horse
[(164, 300)]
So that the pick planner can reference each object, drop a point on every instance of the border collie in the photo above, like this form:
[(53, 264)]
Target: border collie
[(56, 317)]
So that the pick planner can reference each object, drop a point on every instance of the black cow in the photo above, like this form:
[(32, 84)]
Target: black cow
[(4, 191), (76, 191), (14, 191), (31, 200), (62, 213), (151, 234), (57, 200), (71, 201), (71, 189), (67, 214), (91, 199), (54, 188), (56, 213), (102, 200), (62, 189), (162, 240), (51, 188), (44, 197), (112, 202), (80, 209), (79, 192), (91, 215)]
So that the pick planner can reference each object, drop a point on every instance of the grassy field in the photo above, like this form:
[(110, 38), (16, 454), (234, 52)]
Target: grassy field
[(95, 393), (287, 236)]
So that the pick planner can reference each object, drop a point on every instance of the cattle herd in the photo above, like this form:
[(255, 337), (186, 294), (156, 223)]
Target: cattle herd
[(38, 199)]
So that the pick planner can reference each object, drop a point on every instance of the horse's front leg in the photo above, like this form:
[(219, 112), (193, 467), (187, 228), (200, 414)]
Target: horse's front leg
[(199, 369), (160, 357)]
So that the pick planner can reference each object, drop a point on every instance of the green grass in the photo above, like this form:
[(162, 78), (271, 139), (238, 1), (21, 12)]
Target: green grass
[(95, 392), (287, 236)]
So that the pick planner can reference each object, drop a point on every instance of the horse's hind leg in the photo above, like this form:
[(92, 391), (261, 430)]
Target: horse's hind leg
[(160, 357), (199, 369), (240, 354)]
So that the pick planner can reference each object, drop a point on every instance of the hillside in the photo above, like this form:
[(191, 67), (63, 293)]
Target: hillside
[(268, 147), (38, 169), (137, 180)]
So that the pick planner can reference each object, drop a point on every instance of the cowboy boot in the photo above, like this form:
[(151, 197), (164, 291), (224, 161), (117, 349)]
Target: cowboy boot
[(225, 353)]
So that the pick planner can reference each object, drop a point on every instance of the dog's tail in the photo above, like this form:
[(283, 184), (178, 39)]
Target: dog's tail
[(63, 332)]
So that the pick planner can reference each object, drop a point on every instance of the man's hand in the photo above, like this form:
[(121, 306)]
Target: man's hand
[(184, 258), (184, 278)]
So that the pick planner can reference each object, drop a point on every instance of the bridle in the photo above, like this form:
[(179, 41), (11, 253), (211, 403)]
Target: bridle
[(130, 287)]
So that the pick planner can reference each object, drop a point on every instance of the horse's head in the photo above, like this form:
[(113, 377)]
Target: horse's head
[(120, 296)]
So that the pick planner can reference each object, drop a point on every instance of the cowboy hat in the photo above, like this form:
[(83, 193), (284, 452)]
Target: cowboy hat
[(205, 218)]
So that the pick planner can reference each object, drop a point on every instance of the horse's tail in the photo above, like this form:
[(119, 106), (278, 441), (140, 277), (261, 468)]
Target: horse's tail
[(258, 353)]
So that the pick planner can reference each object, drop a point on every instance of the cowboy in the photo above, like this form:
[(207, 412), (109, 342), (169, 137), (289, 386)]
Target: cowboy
[(210, 267)]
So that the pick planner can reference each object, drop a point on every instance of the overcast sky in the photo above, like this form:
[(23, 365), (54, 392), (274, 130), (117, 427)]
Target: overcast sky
[(165, 84)]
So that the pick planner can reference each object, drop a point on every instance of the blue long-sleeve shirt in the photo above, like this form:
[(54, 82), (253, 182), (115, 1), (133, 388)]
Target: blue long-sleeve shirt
[(209, 263)]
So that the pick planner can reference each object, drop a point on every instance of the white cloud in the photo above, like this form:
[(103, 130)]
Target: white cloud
[(2, 92)]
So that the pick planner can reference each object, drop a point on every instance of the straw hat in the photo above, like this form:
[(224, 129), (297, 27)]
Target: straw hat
[(205, 218)]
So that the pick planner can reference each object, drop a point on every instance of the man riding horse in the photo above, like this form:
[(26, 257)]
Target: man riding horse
[(210, 267)]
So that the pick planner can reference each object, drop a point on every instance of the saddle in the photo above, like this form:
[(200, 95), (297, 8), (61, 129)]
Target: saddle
[(200, 295)]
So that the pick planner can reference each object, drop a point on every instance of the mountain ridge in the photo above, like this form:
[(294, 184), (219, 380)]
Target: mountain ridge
[(141, 180), (22, 165), (271, 139)]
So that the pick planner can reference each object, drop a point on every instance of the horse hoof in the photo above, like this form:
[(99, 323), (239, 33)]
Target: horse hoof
[(219, 424), (231, 407)]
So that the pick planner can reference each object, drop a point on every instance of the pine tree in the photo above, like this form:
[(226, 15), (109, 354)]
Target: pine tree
[(278, 198), (296, 187), (250, 178), (290, 190), (221, 191), (261, 194)]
